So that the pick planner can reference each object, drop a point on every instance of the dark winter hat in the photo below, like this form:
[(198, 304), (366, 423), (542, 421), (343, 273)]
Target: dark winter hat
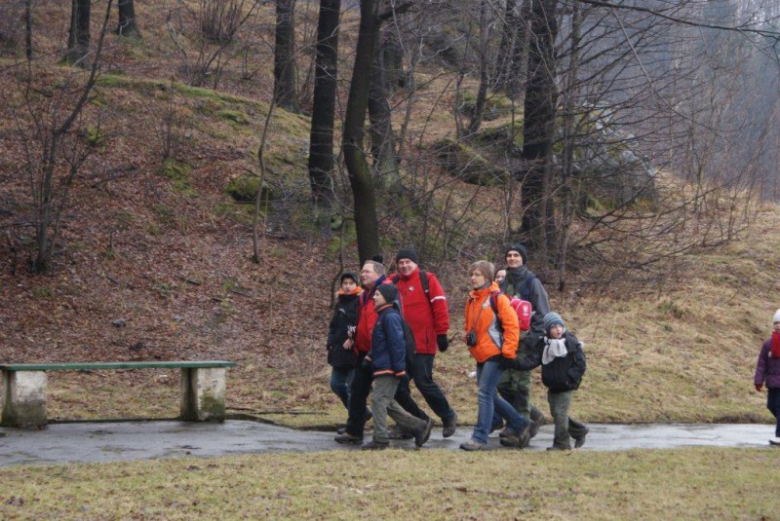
[(389, 292), (519, 248), (348, 275), (551, 319), (378, 258), (407, 253)]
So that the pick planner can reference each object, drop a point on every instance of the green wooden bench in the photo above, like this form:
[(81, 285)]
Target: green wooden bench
[(24, 388)]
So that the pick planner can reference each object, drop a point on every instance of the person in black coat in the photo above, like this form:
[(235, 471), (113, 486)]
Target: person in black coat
[(341, 355), (563, 364)]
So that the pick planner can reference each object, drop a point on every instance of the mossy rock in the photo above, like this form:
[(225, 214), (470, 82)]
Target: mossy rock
[(179, 173), (500, 136), (496, 105), (467, 164), (234, 115), (244, 189)]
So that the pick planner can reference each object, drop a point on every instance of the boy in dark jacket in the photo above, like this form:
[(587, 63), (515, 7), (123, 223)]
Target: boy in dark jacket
[(387, 359), (563, 364), (768, 372), (341, 356)]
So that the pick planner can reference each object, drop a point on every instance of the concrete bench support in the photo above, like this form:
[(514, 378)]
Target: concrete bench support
[(24, 388), (24, 403), (203, 394)]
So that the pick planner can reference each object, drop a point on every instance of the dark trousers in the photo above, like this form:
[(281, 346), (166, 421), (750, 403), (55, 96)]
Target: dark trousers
[(403, 395), (358, 395), (422, 374), (773, 404)]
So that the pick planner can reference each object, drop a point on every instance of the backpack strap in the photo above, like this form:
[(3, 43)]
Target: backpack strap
[(423, 282), (494, 301), (525, 289)]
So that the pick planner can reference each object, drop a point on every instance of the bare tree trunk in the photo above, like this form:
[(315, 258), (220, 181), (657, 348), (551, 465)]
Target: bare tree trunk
[(285, 67), (479, 105), (78, 36), (541, 98), (501, 77), (28, 29), (381, 129), (127, 25), (324, 106), (519, 62), (366, 224)]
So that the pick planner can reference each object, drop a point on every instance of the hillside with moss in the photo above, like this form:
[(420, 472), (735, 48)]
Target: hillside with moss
[(154, 260)]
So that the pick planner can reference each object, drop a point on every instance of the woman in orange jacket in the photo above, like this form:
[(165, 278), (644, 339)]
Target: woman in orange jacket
[(492, 339)]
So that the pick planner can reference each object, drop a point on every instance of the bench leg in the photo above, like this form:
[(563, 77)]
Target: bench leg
[(24, 399), (203, 394)]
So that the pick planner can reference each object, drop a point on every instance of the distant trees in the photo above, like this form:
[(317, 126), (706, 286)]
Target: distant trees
[(78, 34), (127, 25), (285, 66)]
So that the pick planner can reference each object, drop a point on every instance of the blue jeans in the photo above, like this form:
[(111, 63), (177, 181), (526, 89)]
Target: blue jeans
[(340, 380), (489, 402)]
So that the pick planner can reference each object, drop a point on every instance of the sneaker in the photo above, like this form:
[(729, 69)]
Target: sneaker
[(341, 430), (348, 439), (536, 425), (559, 447), (424, 434), (374, 445), (450, 426), (397, 433), (775, 441), (473, 445), (579, 441)]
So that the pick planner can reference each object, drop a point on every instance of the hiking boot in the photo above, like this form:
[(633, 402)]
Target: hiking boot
[(536, 425), (397, 433), (506, 431), (473, 444), (348, 439), (450, 426), (341, 430), (422, 436), (375, 445), (579, 440), (559, 447), (519, 440), (775, 441)]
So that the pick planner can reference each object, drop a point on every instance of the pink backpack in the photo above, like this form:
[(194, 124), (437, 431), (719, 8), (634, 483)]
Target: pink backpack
[(522, 307)]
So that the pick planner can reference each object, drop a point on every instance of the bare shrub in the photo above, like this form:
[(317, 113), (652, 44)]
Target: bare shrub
[(220, 19)]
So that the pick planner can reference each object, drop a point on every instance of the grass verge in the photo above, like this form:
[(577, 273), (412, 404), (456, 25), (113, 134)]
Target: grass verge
[(435, 484)]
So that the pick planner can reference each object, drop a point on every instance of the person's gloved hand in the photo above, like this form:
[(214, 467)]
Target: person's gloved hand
[(759, 387), (442, 342), (507, 363)]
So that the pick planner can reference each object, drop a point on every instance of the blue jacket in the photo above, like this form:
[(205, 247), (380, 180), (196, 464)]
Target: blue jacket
[(388, 347)]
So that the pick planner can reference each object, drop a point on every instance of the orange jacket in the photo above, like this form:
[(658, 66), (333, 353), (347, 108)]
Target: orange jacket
[(489, 328)]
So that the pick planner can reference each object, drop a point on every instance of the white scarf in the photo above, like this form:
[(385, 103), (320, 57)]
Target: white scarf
[(553, 348)]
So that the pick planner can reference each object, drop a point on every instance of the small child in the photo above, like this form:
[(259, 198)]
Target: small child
[(563, 364), (500, 276), (768, 372), (342, 327)]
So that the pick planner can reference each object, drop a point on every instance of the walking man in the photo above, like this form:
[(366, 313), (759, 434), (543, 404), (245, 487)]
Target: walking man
[(425, 309), (515, 385)]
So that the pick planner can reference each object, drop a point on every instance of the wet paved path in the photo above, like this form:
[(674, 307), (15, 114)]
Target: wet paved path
[(98, 442)]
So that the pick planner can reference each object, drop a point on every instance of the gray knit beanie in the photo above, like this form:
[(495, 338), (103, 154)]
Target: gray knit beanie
[(550, 319)]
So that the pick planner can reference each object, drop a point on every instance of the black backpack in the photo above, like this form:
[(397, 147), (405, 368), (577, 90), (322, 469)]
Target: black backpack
[(411, 345)]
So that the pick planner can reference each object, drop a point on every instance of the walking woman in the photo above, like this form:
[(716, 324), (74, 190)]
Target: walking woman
[(492, 337)]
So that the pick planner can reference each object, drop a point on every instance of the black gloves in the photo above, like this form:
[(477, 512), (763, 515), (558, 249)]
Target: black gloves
[(366, 364), (442, 342)]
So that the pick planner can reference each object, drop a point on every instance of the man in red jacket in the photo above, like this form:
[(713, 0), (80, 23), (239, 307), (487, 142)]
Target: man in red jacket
[(425, 309)]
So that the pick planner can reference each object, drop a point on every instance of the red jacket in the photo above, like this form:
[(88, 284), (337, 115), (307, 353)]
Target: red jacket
[(427, 317), (367, 318)]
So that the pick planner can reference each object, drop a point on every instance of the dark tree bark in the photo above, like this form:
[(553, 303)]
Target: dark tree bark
[(505, 48), (127, 25), (366, 224), (78, 36), (285, 66), (324, 109), (518, 69), (479, 105), (28, 29), (541, 97), (380, 115)]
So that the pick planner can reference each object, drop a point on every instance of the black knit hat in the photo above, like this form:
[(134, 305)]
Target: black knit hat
[(348, 275), (389, 292), (407, 253), (519, 248)]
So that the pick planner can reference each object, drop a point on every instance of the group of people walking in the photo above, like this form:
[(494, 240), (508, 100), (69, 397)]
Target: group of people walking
[(385, 335)]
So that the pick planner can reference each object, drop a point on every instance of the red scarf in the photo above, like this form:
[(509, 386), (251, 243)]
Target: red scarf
[(775, 344)]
